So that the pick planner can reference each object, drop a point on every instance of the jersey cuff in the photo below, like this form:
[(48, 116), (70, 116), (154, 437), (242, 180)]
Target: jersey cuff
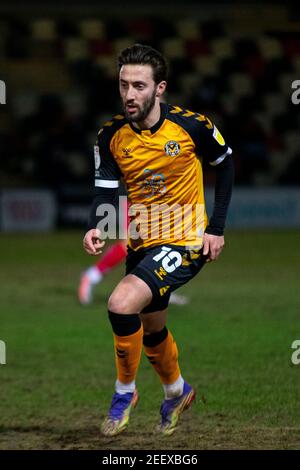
[(106, 183), (219, 231), (221, 158)]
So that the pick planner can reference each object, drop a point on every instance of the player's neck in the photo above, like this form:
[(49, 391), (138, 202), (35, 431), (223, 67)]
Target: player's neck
[(152, 118)]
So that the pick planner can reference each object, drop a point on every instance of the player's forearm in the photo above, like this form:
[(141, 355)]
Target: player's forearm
[(223, 190), (102, 196)]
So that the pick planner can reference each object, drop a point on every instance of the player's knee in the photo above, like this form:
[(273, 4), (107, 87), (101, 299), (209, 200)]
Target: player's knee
[(118, 303)]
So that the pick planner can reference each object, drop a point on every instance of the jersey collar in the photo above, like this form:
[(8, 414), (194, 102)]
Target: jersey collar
[(157, 125)]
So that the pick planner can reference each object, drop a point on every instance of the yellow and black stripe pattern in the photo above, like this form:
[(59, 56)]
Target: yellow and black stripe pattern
[(163, 165)]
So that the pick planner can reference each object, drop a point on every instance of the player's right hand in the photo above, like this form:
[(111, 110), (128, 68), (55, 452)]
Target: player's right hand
[(92, 242)]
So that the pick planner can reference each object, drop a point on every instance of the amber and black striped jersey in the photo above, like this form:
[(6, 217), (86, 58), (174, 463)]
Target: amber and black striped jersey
[(162, 171)]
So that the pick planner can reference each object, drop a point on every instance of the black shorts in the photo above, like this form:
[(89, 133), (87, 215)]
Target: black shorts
[(164, 268)]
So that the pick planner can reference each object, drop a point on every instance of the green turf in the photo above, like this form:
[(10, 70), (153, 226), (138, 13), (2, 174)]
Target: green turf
[(234, 339)]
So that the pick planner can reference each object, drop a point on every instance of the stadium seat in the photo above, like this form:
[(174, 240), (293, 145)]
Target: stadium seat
[(187, 28), (108, 64), (75, 49), (275, 103), (121, 43), (241, 84), (230, 104), (206, 65), (188, 81), (41, 76), (92, 29), (24, 103), (270, 48), (222, 47), (292, 142), (173, 48), (75, 101), (44, 30)]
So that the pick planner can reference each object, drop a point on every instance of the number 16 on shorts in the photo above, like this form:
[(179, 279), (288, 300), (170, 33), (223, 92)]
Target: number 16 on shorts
[(170, 259)]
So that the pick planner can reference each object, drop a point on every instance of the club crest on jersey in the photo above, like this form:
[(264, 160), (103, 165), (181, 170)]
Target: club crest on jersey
[(127, 152), (172, 148), (97, 157)]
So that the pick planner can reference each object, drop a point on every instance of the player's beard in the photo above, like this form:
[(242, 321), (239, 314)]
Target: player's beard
[(142, 112)]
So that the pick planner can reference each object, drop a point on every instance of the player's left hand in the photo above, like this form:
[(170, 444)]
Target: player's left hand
[(212, 246)]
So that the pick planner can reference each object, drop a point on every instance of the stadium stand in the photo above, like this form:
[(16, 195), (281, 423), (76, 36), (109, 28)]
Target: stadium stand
[(62, 85)]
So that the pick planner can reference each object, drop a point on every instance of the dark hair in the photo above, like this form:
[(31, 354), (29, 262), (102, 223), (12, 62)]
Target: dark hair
[(145, 55)]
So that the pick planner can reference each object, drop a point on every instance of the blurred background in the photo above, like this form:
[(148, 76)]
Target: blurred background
[(235, 62)]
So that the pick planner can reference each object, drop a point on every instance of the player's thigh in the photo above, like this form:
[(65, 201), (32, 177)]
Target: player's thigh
[(154, 322), (131, 295)]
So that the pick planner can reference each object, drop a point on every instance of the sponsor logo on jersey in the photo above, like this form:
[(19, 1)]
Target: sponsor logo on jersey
[(152, 184), (172, 148)]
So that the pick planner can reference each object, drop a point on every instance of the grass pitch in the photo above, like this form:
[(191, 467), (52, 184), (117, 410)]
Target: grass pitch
[(234, 340)]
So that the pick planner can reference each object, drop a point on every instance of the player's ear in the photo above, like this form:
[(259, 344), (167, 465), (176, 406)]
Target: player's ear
[(161, 88)]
